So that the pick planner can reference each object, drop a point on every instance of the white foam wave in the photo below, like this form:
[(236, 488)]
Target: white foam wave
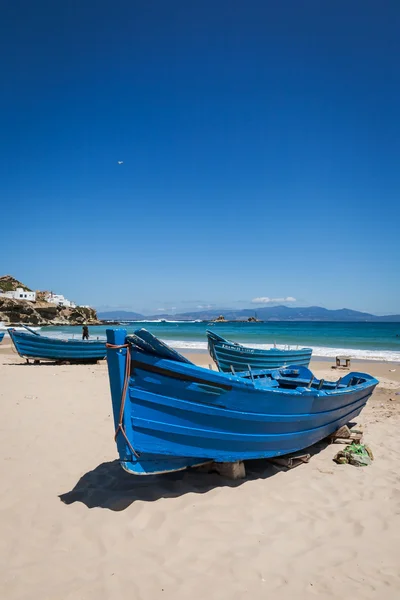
[(318, 351)]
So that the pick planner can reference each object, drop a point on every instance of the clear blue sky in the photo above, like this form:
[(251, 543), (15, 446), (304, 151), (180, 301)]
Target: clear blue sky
[(260, 144)]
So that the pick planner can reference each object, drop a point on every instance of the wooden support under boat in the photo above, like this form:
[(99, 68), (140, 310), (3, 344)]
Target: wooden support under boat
[(347, 435), (290, 461), (230, 470)]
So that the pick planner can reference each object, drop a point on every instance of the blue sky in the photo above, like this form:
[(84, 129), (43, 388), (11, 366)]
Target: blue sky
[(260, 144)]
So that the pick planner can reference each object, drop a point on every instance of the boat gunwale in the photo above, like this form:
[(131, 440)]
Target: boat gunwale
[(44, 338), (218, 341), (173, 370)]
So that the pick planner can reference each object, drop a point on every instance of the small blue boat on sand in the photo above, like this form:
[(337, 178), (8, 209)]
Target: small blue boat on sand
[(231, 355), (170, 414), (32, 345), (1, 336)]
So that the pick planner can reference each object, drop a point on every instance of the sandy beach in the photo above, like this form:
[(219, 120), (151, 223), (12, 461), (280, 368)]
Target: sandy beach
[(75, 526)]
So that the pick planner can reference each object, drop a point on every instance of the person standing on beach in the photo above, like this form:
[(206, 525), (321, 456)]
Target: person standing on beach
[(85, 332)]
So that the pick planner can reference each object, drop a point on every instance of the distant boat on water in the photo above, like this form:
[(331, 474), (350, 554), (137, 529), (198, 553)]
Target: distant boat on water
[(170, 414), (231, 355), (31, 345)]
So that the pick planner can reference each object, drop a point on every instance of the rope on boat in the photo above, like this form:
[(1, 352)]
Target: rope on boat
[(120, 427)]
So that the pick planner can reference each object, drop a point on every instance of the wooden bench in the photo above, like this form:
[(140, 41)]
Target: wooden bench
[(343, 359)]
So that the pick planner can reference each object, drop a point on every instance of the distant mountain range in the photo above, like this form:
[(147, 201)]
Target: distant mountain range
[(269, 313)]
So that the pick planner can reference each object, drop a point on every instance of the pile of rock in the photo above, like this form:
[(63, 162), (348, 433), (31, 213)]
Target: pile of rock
[(42, 313), (14, 311)]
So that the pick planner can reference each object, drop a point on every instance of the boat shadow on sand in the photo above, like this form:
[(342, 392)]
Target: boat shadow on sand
[(109, 486)]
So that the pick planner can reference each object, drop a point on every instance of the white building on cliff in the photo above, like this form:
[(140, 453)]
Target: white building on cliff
[(19, 294), (59, 300)]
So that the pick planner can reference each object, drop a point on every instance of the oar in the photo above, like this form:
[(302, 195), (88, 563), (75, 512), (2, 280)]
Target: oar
[(31, 330)]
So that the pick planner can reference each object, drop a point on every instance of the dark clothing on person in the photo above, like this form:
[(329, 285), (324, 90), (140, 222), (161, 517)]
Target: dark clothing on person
[(85, 332)]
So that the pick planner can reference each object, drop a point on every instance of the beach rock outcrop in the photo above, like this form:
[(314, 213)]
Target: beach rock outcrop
[(14, 311), (43, 313)]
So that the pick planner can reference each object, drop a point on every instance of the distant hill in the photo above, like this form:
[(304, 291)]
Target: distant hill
[(269, 313), (389, 319), (8, 283), (121, 315)]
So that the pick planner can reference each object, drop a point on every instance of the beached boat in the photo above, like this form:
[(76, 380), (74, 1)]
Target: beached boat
[(170, 414), (228, 355), (1, 336), (30, 344)]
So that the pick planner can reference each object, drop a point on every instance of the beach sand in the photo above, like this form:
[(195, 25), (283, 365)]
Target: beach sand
[(74, 526)]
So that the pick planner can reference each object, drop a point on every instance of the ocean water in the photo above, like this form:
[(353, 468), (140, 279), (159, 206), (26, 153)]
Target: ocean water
[(372, 341)]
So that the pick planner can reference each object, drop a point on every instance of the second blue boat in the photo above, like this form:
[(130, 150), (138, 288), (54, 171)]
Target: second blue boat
[(40, 347), (230, 355)]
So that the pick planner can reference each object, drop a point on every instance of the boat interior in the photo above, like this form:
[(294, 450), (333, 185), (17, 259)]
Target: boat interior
[(288, 378)]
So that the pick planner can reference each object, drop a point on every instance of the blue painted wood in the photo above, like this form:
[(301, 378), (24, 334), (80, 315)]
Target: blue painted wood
[(46, 348), (178, 414), (228, 354), (116, 360), (150, 343), (1, 336)]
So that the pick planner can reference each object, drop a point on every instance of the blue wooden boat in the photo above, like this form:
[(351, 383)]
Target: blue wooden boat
[(170, 414), (32, 345), (1, 336), (228, 355)]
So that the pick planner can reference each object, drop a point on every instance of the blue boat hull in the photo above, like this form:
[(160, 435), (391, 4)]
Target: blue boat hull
[(227, 355), (177, 415), (1, 336), (38, 347)]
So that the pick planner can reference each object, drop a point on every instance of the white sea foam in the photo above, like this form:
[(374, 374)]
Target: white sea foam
[(318, 351), (321, 351)]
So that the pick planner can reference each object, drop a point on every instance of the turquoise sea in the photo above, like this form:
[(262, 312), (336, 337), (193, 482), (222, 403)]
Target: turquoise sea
[(375, 341)]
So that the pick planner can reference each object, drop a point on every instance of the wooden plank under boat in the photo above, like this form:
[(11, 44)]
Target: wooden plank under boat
[(40, 347), (170, 414), (228, 354)]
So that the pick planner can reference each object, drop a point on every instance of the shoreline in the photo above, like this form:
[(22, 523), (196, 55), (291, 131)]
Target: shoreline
[(391, 356), (388, 372)]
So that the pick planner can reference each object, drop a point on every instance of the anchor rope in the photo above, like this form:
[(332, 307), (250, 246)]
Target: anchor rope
[(120, 427)]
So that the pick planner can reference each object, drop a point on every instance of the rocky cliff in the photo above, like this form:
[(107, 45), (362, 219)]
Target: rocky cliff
[(40, 312)]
